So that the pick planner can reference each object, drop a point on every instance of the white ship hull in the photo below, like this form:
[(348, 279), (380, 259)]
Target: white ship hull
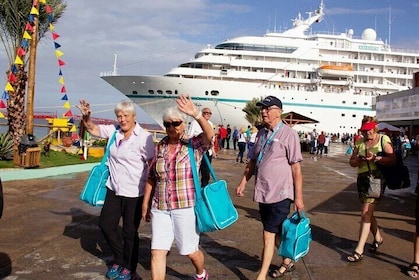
[(334, 112)]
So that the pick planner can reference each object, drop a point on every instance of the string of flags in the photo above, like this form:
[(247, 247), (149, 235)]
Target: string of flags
[(20, 58)]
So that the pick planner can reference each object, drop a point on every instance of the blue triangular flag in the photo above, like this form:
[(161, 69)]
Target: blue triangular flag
[(64, 97), (14, 69)]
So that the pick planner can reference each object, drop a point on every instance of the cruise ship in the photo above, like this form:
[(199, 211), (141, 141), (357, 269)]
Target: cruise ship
[(331, 78)]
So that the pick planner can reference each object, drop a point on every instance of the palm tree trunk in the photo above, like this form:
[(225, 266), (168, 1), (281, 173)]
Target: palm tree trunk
[(16, 107)]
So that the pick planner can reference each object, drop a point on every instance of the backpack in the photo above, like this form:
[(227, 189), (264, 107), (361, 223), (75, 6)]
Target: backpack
[(395, 176)]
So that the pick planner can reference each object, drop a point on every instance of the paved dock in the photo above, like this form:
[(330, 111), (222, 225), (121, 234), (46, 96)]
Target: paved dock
[(46, 232)]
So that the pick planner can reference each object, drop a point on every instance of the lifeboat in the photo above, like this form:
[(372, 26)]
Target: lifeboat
[(336, 71)]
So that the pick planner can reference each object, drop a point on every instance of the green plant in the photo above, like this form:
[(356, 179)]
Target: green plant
[(6, 146), (100, 143)]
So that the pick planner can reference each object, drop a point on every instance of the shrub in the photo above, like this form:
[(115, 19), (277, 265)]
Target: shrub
[(6, 146)]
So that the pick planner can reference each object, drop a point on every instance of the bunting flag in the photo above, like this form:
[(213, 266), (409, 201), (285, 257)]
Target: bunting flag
[(58, 53), (9, 87), (2, 115), (18, 61), (34, 11), (24, 49)]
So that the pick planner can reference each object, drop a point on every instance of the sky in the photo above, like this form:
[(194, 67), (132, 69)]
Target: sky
[(152, 37)]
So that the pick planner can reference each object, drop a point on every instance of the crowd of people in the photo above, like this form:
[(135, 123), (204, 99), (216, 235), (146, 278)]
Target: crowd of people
[(154, 182)]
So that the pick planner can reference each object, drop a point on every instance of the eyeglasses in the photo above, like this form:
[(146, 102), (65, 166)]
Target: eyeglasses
[(207, 113), (269, 108), (174, 124)]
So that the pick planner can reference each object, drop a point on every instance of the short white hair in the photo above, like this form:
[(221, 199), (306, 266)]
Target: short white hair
[(125, 106), (173, 113)]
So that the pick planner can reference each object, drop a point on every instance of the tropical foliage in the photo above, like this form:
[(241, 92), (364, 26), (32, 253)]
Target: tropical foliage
[(14, 16), (253, 115), (6, 147)]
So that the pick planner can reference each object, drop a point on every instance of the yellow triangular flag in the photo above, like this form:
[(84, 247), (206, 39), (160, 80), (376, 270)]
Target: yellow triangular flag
[(42, 1), (26, 35), (67, 105), (34, 11), (1, 115), (51, 27), (58, 53), (18, 60), (73, 128), (9, 87), (61, 81)]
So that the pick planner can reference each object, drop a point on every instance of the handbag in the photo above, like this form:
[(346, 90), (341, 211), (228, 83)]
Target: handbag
[(374, 183), (94, 191), (296, 237), (214, 209)]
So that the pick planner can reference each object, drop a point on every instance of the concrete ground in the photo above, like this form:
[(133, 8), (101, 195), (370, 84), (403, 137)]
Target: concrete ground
[(46, 232)]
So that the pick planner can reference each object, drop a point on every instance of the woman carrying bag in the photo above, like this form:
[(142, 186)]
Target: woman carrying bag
[(366, 156), (169, 193)]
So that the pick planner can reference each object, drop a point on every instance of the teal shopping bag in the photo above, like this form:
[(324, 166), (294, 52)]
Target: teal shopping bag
[(296, 237)]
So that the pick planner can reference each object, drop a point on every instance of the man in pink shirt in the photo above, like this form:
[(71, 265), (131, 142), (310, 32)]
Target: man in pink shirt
[(275, 161)]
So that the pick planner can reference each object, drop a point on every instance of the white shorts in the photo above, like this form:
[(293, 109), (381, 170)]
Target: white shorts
[(178, 225)]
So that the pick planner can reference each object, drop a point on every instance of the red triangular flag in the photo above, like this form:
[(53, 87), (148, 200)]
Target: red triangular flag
[(48, 9), (63, 90), (12, 78), (29, 27), (21, 52), (68, 114), (55, 35), (2, 105), (60, 62)]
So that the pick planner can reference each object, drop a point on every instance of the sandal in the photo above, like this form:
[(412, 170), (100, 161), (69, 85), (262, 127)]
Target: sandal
[(375, 245), (288, 268), (413, 270), (355, 257)]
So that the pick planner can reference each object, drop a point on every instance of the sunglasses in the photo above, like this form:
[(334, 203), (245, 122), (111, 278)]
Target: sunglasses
[(205, 113), (174, 124)]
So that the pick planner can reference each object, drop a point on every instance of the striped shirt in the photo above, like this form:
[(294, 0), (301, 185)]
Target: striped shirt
[(173, 174)]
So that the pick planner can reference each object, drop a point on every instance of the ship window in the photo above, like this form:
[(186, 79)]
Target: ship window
[(151, 91), (215, 92), (365, 103), (134, 92), (342, 115), (354, 102), (343, 102), (206, 92), (176, 92), (160, 92), (168, 92)]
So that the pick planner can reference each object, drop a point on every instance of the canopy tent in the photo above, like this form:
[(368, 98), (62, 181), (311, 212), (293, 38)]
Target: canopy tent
[(385, 127), (292, 118)]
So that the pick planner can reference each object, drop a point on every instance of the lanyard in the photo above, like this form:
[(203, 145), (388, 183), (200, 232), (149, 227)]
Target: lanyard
[(268, 142)]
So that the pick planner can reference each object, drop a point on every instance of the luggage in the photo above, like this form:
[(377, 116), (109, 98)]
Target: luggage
[(296, 237)]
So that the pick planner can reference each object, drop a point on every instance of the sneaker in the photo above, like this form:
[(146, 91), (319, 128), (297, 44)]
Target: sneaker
[(124, 275), (113, 272), (205, 277)]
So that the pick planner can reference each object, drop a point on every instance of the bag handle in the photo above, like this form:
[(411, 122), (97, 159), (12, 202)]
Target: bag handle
[(211, 170), (106, 155), (197, 184)]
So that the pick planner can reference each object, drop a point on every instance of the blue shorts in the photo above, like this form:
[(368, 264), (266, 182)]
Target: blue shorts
[(274, 214)]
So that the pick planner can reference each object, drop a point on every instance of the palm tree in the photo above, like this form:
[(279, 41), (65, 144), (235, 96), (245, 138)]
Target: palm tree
[(253, 115), (13, 19)]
